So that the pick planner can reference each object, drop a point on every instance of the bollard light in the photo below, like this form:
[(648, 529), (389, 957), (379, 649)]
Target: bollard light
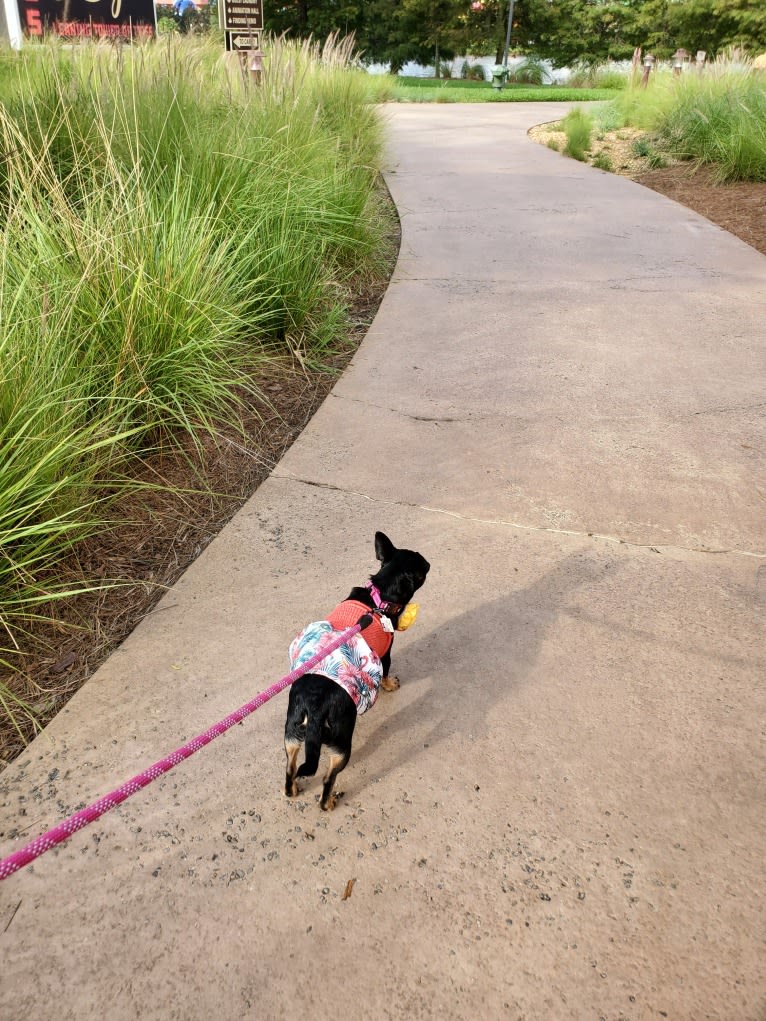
[(256, 66), (679, 59), (649, 60)]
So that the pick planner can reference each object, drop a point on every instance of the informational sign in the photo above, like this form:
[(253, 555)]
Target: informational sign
[(111, 19), (238, 41), (242, 15)]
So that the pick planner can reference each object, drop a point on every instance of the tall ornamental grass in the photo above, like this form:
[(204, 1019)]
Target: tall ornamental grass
[(720, 118), (578, 127), (717, 117), (164, 228)]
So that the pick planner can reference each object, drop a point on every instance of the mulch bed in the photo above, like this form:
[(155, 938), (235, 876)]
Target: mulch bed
[(739, 208)]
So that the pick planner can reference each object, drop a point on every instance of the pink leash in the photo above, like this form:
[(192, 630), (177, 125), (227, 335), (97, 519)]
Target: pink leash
[(76, 822)]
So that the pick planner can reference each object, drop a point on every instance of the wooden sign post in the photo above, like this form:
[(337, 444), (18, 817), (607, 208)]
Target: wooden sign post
[(242, 25)]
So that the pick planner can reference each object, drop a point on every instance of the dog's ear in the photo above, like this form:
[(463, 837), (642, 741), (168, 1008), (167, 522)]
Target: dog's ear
[(384, 548)]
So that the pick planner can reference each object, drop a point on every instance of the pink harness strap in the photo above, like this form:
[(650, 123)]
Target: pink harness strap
[(345, 613)]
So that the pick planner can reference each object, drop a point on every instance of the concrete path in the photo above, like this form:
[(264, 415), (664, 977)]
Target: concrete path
[(560, 815)]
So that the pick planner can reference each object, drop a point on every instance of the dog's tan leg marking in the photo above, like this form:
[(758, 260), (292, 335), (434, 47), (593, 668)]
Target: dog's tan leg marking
[(337, 762), (390, 683), (292, 748)]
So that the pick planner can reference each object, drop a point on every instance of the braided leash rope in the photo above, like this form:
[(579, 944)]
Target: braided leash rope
[(64, 830)]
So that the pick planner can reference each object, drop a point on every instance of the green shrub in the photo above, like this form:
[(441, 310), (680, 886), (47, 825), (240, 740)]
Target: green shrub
[(472, 72), (608, 117), (603, 161), (578, 127), (597, 76), (643, 107), (166, 23), (645, 148), (530, 72), (382, 88), (641, 147), (718, 117)]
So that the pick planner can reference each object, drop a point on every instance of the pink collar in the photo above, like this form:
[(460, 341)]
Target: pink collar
[(380, 603)]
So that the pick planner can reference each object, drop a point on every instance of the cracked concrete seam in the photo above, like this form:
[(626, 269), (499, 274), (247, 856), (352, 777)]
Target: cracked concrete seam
[(505, 416), (654, 547), (407, 414)]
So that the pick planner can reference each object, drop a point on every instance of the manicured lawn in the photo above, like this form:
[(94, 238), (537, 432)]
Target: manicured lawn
[(457, 90)]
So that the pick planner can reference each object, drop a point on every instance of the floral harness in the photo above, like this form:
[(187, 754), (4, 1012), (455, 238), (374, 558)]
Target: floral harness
[(356, 664)]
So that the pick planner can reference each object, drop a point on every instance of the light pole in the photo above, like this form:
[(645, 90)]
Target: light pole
[(508, 34)]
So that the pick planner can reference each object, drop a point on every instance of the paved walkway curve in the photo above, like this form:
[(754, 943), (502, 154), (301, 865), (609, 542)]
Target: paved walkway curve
[(560, 815)]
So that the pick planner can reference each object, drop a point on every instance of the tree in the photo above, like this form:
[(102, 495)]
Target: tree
[(435, 24), (318, 18), (388, 35), (567, 32), (652, 28), (715, 25), (486, 25), (392, 31), (563, 31), (572, 31)]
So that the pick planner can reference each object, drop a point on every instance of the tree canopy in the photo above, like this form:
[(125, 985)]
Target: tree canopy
[(563, 31)]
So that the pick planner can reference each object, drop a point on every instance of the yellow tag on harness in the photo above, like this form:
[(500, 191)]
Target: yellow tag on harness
[(407, 616)]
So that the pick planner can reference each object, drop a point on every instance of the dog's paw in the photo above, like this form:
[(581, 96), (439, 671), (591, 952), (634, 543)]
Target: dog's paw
[(390, 683), (292, 790), (332, 801)]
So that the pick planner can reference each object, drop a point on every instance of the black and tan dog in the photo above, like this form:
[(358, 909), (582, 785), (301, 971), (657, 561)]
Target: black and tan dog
[(324, 704)]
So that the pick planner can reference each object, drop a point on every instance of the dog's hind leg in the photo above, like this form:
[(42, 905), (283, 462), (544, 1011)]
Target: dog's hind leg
[(292, 748), (338, 761)]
